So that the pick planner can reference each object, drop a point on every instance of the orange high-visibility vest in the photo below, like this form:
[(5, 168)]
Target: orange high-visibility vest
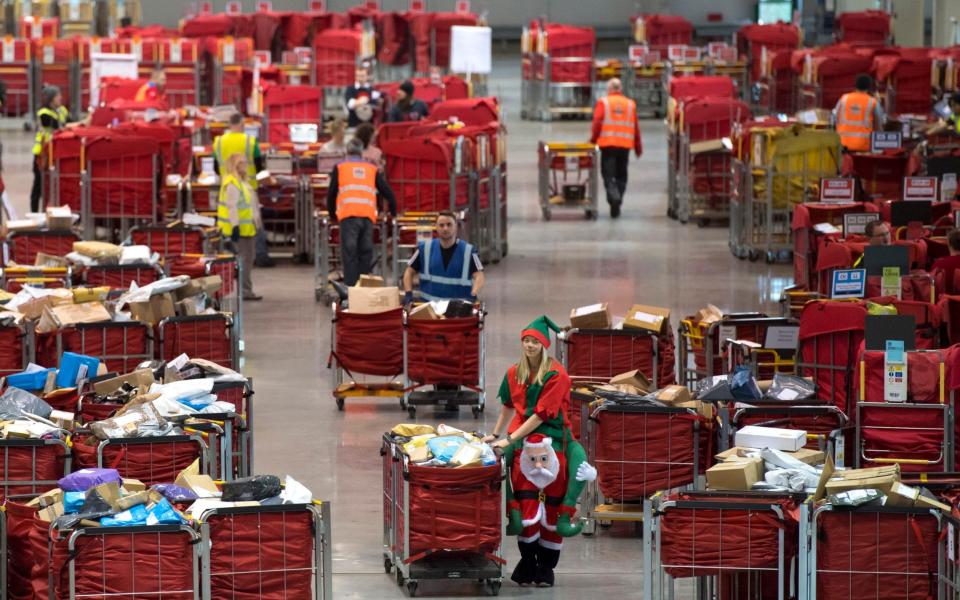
[(855, 120), (619, 127), (356, 190)]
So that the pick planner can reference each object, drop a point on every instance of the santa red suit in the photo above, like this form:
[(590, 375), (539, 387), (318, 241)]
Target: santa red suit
[(540, 507)]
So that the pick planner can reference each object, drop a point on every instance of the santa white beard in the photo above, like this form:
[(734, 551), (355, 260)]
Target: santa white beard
[(540, 476)]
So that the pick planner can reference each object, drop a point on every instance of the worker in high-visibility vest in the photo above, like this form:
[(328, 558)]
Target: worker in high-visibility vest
[(616, 131), (53, 115), (857, 115), (153, 89), (237, 141), (355, 185), (238, 218), (951, 123)]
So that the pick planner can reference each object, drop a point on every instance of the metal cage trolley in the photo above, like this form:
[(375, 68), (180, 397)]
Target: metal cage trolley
[(368, 345), (568, 177)]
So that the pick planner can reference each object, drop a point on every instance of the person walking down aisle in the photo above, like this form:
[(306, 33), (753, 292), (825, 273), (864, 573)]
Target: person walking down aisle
[(355, 185), (857, 115), (238, 218), (615, 130), (548, 467), (237, 141), (449, 268), (53, 115)]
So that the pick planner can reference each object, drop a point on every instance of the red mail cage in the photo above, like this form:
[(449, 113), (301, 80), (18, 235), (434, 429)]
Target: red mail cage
[(863, 28), (212, 337), (428, 174), (151, 460), (599, 354), (286, 105), (120, 345), (16, 72), (829, 341), (368, 345), (32, 467)]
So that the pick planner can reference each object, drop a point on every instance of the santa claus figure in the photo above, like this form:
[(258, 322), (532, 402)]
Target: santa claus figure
[(539, 485)]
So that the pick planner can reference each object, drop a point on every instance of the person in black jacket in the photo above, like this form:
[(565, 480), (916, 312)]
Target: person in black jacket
[(407, 107), (360, 98)]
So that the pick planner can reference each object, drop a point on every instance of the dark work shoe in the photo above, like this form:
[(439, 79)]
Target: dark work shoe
[(252, 298), (615, 210)]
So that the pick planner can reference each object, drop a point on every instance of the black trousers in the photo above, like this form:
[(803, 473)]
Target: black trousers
[(613, 169), (356, 248), (37, 190)]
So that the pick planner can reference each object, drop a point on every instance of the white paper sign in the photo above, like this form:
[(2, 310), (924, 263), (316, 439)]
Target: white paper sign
[(727, 332), (8, 50), (48, 54), (109, 65), (782, 338), (470, 50), (176, 52), (229, 53)]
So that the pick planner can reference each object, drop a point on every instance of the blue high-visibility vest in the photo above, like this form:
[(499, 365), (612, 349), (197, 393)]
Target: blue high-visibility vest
[(452, 282)]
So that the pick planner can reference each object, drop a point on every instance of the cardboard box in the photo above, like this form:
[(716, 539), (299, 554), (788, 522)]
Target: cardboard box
[(21, 225), (110, 492), (98, 250), (186, 307), (365, 300), (142, 378), (51, 513), (650, 318), (142, 497), (704, 409), (753, 436), (158, 308), (878, 478), (64, 315), (674, 394), (804, 455), (901, 495), (47, 499), (633, 378), (737, 475), (133, 485), (928, 502), (371, 281), (423, 311), (62, 419), (49, 260), (710, 314), (33, 309), (201, 485), (88, 294), (594, 316), (59, 218), (208, 285), (707, 146)]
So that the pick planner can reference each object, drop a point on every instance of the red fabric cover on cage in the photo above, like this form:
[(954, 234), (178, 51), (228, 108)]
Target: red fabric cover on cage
[(122, 346), (266, 25), (24, 246), (663, 30), (18, 77), (393, 38), (358, 14), (159, 461), (203, 336), (185, 265), (454, 509), (170, 242), (172, 141), (923, 375), (876, 555), (701, 86), (266, 555), (119, 88), (775, 37), (119, 277), (711, 118), (123, 171), (57, 71), (470, 111), (835, 71), (708, 541), (295, 29), (419, 172), (601, 354), (370, 344), (436, 27), (638, 453), (880, 174), (927, 315), (710, 177), (750, 332), (335, 53), (444, 351), (907, 432), (94, 411), (830, 337), (867, 27), (284, 105), (20, 551), (909, 82), (917, 287), (19, 469), (146, 31), (207, 25), (569, 41), (11, 350)]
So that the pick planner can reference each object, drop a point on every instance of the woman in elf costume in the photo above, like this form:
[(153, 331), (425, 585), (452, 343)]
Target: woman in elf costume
[(535, 398)]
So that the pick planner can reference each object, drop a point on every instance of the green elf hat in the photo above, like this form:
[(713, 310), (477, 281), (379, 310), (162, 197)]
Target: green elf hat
[(540, 330)]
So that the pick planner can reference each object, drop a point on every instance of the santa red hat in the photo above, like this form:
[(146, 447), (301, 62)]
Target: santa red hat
[(537, 440)]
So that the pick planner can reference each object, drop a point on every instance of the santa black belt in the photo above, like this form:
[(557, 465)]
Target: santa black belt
[(529, 495)]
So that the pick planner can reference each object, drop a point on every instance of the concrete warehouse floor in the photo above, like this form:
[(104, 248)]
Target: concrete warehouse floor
[(551, 267)]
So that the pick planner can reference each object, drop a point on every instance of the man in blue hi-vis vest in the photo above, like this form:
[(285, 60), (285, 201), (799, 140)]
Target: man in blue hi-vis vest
[(449, 267)]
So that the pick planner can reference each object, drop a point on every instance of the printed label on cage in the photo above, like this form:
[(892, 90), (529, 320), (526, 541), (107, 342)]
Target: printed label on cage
[(890, 282), (676, 52), (837, 190), (176, 52), (294, 79), (137, 47), (372, 4), (262, 58), (572, 163), (920, 188), (317, 6), (885, 140), (951, 543), (418, 5), (895, 370), (727, 332), (8, 50), (782, 338), (840, 450), (848, 283), (206, 8), (81, 374), (233, 8), (74, 12), (463, 6), (948, 187), (856, 223), (48, 54), (264, 6), (229, 53)]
